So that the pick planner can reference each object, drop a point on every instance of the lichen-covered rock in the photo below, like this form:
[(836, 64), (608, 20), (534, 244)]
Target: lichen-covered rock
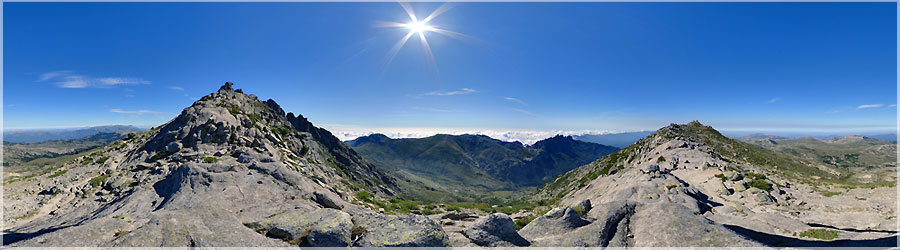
[(583, 205), (399, 231), (557, 221), (318, 228), (495, 230), (326, 200)]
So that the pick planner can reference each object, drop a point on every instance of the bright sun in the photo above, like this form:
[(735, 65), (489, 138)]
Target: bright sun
[(417, 27)]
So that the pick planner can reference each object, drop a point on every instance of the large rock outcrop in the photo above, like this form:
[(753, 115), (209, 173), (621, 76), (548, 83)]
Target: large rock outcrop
[(226, 162), (495, 230)]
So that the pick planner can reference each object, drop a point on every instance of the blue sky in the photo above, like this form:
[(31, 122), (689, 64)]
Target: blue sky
[(825, 67)]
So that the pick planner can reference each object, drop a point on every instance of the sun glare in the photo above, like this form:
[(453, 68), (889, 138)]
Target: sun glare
[(417, 27)]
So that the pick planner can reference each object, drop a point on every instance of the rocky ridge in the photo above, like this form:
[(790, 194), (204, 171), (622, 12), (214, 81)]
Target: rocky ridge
[(687, 185), (230, 170)]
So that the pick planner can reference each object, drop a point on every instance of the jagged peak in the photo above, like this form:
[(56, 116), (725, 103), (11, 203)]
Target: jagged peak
[(227, 87), (557, 139)]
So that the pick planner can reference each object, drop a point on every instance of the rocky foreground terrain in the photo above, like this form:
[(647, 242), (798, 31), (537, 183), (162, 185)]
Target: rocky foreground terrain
[(232, 170), (687, 185)]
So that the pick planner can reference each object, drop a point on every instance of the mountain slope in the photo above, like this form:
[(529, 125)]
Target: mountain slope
[(230, 170), (26, 136), (856, 158), (477, 163), (685, 183)]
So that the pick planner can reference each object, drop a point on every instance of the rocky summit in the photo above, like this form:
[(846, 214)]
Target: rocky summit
[(687, 185), (230, 170)]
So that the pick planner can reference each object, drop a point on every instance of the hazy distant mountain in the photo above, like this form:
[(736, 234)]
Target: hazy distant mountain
[(848, 152), (63, 134), (762, 136), (884, 137), (620, 140), (17, 153), (478, 162)]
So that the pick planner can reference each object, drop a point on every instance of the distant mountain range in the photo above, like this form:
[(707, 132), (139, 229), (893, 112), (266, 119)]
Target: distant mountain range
[(742, 136), (39, 135), (18, 153), (884, 137), (620, 140), (477, 162)]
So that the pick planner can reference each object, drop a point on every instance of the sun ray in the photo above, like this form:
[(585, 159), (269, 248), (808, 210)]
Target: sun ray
[(451, 34), (388, 24), (409, 11), (437, 12), (428, 53), (414, 26), (396, 49)]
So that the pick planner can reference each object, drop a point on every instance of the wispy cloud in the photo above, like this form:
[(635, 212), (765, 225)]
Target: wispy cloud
[(774, 100), (516, 100), (435, 110), (134, 112), (66, 79), (53, 74), (463, 91), (892, 106), (176, 88), (523, 112), (868, 106)]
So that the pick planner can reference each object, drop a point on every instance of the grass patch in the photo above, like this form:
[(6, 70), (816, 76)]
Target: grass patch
[(829, 193), (822, 234), (210, 159), (357, 231), (365, 196), (160, 155), (232, 109), (102, 160), (759, 181), (254, 117), (97, 181), (58, 173), (721, 176), (761, 184), (522, 222), (29, 214), (579, 210)]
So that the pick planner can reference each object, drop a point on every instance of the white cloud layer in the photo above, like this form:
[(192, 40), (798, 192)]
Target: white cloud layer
[(344, 132)]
